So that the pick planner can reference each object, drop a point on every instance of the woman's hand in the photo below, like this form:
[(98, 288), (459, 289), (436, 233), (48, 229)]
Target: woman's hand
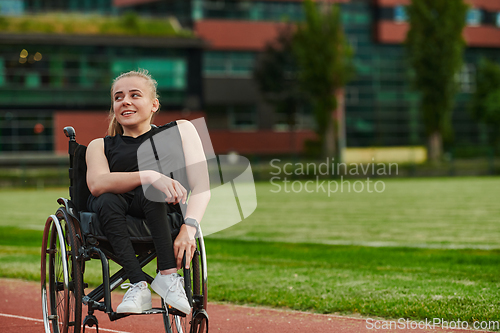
[(174, 191), (185, 242)]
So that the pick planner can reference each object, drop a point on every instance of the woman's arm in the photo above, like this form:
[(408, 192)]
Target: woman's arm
[(196, 169), (197, 174), (101, 180)]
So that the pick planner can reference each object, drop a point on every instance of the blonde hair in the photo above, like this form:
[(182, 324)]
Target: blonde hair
[(115, 127)]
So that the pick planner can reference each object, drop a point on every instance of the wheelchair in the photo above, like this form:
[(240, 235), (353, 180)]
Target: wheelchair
[(73, 236)]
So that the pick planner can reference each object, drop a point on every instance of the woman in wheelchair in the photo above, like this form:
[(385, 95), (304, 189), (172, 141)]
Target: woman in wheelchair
[(117, 187)]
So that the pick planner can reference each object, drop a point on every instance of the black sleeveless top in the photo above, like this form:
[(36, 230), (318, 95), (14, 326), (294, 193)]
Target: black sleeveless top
[(159, 149), (121, 151)]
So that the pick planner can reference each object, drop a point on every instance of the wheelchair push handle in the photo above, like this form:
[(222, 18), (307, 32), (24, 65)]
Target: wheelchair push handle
[(69, 131)]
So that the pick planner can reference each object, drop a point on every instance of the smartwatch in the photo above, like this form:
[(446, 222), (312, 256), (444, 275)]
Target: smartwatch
[(193, 223)]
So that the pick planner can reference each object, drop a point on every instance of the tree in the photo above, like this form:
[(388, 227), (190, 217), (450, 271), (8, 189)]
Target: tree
[(485, 102), (324, 59), (276, 76), (435, 49)]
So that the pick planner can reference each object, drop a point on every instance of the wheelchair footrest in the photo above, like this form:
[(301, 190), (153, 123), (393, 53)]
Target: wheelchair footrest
[(115, 315), (153, 311)]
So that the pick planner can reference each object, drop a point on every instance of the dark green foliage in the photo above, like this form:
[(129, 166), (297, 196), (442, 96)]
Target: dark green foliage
[(325, 61), (4, 23), (70, 23), (435, 48), (276, 75), (130, 22), (485, 103), (308, 66)]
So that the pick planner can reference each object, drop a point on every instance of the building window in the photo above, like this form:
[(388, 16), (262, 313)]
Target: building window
[(2, 72), (87, 6), (26, 130), (474, 17), (360, 124), (467, 78), (11, 7), (351, 95), (400, 14), (304, 120), (214, 4), (197, 10), (92, 71), (498, 19), (351, 18), (220, 63), (169, 73), (32, 80), (353, 42), (248, 10), (242, 117)]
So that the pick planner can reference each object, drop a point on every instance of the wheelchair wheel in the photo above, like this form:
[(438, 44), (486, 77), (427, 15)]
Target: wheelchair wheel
[(175, 323), (197, 320), (62, 298)]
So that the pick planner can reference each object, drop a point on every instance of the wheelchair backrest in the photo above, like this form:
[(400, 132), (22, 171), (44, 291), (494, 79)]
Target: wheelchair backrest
[(78, 189)]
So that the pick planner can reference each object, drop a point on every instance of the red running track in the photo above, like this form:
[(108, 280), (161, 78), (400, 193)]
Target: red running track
[(21, 311)]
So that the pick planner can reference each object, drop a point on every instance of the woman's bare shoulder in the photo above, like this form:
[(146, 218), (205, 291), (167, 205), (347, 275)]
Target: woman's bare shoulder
[(99, 142), (95, 146), (185, 125)]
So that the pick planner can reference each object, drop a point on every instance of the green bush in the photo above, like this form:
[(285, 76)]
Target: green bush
[(4, 23), (127, 24)]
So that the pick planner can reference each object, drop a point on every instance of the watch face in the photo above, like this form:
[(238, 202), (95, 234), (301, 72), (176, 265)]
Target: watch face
[(192, 222)]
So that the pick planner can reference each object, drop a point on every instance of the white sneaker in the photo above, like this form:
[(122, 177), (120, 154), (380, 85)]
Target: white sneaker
[(137, 298), (171, 289)]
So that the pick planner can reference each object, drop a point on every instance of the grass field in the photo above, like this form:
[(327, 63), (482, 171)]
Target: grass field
[(441, 212), (434, 249)]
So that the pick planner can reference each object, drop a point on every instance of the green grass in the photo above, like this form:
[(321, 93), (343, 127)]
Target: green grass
[(383, 282), (29, 208), (34, 177), (439, 212), (291, 251), (429, 212)]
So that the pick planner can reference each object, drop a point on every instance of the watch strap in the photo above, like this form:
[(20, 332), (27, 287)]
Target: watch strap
[(193, 223)]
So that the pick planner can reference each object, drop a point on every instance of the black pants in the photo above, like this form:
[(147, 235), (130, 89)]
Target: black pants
[(112, 208)]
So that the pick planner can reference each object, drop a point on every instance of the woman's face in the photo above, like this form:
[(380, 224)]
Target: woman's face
[(133, 103)]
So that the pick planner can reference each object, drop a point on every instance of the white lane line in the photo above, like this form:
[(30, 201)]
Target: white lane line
[(19, 317), (41, 321)]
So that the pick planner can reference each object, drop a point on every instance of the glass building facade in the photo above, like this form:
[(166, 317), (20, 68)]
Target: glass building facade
[(81, 75), (37, 79), (381, 109), (247, 10), (229, 63)]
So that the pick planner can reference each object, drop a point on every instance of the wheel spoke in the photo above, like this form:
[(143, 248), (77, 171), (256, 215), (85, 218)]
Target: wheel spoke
[(61, 300)]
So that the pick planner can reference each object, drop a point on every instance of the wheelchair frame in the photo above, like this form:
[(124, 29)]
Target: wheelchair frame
[(66, 246)]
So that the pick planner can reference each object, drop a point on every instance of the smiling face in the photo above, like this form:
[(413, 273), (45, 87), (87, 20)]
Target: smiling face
[(134, 103)]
